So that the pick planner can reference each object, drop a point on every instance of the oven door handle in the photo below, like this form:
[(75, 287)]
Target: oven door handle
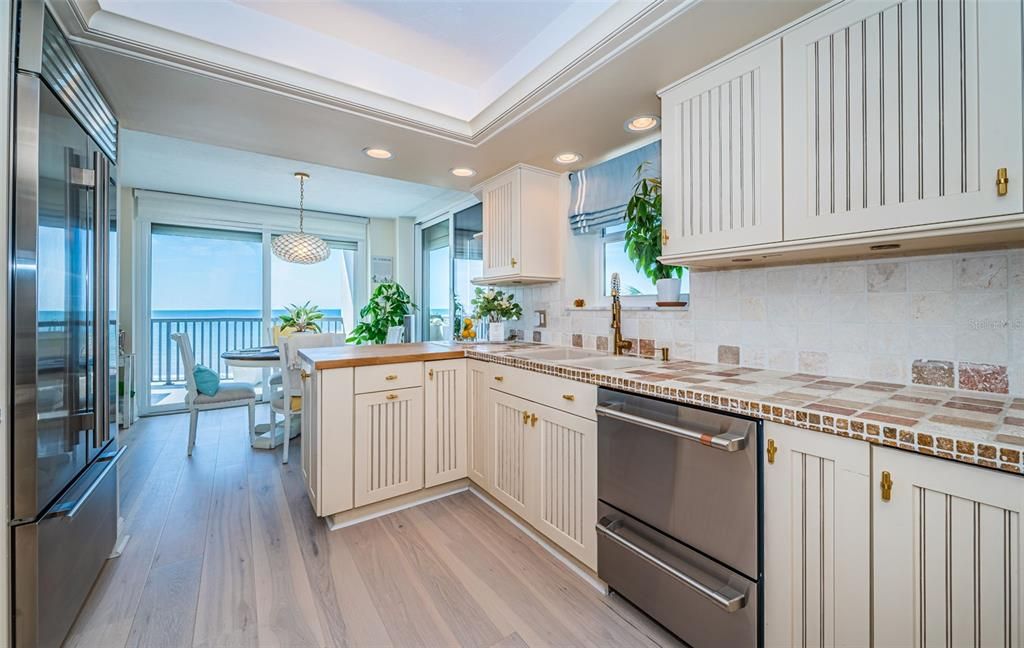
[(727, 442), (723, 596)]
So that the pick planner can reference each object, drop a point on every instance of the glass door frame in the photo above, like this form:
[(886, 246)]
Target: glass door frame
[(142, 274), (421, 287)]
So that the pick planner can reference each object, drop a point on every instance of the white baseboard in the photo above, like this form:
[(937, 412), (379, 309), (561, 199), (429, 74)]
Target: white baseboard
[(394, 509), (596, 583)]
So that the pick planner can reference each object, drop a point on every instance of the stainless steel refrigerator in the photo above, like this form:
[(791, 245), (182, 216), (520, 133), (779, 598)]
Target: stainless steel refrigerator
[(64, 441)]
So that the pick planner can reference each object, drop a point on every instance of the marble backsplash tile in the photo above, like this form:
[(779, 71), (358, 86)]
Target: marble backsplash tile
[(951, 320)]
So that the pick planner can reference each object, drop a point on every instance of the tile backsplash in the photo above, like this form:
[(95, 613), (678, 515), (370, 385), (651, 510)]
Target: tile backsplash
[(950, 320)]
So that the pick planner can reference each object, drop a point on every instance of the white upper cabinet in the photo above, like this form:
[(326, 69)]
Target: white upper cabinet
[(901, 114), (722, 155), (523, 226)]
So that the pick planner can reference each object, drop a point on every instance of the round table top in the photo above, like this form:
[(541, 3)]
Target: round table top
[(258, 354)]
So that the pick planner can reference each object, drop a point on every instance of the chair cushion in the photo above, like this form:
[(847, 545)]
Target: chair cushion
[(228, 391), (278, 404), (207, 380)]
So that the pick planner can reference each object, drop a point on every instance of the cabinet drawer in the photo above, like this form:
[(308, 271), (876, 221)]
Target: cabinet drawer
[(388, 376), (560, 393)]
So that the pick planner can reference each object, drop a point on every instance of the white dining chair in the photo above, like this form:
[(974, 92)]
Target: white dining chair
[(288, 401), (395, 334), (229, 394)]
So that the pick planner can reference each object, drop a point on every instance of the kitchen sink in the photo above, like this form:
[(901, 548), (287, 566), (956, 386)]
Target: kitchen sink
[(612, 362), (556, 355)]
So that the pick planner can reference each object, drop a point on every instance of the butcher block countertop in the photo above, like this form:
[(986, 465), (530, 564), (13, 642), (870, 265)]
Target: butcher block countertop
[(363, 355)]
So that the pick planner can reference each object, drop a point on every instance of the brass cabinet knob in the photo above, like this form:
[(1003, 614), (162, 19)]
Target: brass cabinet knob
[(430, 374), (526, 417), (1002, 181), (569, 397), (533, 420), (886, 485), (499, 378), (391, 377), (771, 449), (391, 396), (304, 374), (514, 262)]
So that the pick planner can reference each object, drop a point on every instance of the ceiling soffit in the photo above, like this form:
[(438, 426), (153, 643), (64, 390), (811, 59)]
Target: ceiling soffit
[(623, 25)]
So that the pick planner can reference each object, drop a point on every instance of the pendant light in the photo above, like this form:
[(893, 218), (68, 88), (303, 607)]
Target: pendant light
[(299, 247)]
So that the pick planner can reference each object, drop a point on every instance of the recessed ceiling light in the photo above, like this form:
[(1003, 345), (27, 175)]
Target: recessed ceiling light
[(642, 123), (568, 158), (462, 172), (378, 153)]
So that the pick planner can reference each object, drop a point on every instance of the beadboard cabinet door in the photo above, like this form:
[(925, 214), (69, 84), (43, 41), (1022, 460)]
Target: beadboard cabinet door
[(722, 155), (501, 206), (947, 553), (901, 114), (444, 434), (817, 539), (566, 507), (513, 481), (479, 441), (388, 444)]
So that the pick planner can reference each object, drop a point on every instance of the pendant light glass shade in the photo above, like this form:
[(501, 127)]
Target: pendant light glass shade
[(299, 247)]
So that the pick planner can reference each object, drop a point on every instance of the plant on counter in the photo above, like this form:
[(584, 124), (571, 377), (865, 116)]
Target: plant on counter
[(300, 319), (643, 235), (387, 307), (495, 305)]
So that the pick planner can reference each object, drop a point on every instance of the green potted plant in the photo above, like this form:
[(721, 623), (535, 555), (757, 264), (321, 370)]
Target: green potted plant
[(643, 237), (387, 307), (497, 306), (301, 319)]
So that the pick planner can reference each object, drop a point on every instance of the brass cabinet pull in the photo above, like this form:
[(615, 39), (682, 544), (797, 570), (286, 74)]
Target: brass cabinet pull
[(304, 374), (569, 397), (886, 485), (430, 374), (499, 378), (391, 396), (664, 236), (772, 449), (1002, 181), (514, 262), (526, 417), (391, 377), (533, 420)]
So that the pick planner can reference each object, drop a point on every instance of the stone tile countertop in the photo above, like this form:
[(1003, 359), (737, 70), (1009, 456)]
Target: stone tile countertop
[(971, 427)]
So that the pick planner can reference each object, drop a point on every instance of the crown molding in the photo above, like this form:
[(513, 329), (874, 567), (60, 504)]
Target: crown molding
[(88, 25)]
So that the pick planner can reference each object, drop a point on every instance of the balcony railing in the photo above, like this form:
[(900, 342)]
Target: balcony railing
[(210, 336)]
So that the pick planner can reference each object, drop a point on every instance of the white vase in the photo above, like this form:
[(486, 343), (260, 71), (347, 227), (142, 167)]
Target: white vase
[(668, 289), (496, 332)]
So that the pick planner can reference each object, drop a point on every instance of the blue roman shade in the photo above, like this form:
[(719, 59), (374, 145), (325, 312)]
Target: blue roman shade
[(600, 193)]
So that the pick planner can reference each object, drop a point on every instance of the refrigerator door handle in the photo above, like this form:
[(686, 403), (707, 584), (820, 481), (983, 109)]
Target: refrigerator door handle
[(69, 510), (101, 170)]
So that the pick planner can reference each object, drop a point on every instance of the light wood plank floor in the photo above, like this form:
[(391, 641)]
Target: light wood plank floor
[(225, 551)]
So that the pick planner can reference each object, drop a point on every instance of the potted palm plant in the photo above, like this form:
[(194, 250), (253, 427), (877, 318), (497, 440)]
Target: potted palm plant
[(643, 237), (301, 319), (387, 307)]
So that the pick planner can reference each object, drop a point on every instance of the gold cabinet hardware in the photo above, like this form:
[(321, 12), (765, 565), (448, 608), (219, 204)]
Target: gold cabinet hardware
[(391, 377), (304, 374), (533, 420), (886, 485), (772, 449), (514, 262), (664, 236), (664, 354), (499, 378), (569, 397), (391, 396), (1002, 181), (526, 417), (430, 374)]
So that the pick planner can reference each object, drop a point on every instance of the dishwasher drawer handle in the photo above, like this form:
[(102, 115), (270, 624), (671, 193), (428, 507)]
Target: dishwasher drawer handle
[(726, 442), (723, 597), (69, 510)]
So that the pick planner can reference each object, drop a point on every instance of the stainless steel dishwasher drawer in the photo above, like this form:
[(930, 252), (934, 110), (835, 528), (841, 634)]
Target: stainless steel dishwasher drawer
[(699, 600)]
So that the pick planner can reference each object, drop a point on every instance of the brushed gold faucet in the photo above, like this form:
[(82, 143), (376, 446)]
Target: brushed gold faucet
[(618, 344)]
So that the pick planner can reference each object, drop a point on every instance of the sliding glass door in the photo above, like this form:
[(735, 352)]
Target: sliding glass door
[(436, 308), (329, 284), (206, 283)]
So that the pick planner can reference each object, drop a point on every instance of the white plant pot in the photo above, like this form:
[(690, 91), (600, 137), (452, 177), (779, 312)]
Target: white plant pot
[(496, 332), (668, 289)]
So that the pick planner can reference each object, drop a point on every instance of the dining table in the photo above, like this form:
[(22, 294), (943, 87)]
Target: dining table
[(263, 357)]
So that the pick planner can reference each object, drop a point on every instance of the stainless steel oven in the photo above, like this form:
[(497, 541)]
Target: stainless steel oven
[(679, 516)]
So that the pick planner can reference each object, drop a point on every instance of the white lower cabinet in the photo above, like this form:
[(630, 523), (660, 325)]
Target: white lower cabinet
[(388, 446), (327, 430), (947, 552), (478, 437), (817, 538), (512, 446), (444, 434)]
